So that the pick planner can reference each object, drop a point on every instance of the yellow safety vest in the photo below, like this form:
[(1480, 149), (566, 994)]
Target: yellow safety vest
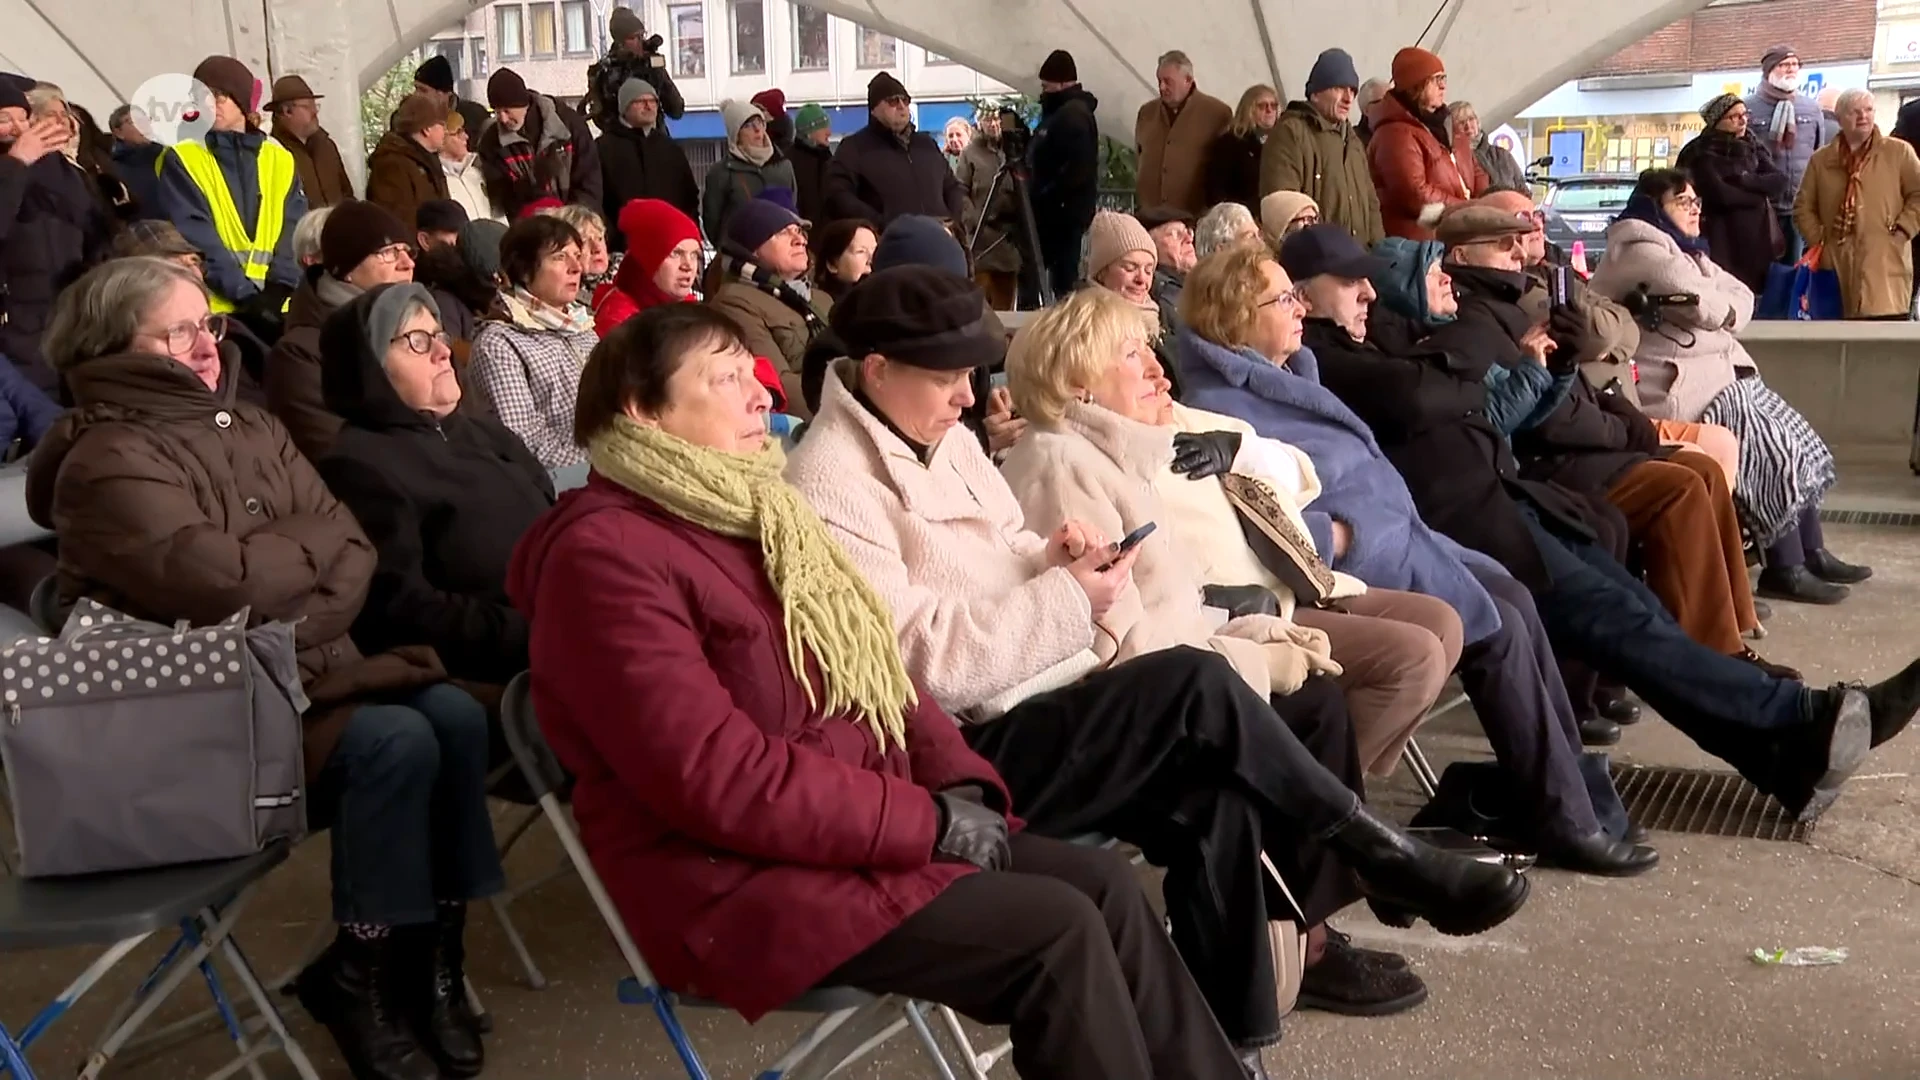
[(252, 249)]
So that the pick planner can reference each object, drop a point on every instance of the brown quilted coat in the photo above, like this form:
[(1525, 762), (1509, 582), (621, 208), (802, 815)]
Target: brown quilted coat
[(171, 502)]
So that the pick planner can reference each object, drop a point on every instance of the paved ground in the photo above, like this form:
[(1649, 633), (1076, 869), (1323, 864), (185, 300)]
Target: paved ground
[(1593, 981)]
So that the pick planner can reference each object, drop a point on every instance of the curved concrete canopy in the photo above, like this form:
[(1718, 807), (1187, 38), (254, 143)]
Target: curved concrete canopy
[(1503, 53)]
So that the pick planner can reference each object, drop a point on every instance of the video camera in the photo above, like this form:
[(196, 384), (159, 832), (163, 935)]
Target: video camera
[(1647, 307), (1015, 135)]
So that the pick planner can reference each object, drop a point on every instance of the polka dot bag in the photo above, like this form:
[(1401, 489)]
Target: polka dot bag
[(130, 745)]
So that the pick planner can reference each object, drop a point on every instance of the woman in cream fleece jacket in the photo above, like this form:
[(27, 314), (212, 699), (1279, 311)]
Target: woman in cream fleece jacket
[(1102, 450)]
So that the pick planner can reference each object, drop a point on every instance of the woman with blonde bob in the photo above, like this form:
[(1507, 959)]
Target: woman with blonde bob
[(1110, 447), (1233, 163)]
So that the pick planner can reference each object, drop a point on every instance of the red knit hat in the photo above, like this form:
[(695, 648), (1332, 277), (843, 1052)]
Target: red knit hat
[(653, 228), (773, 101), (1413, 66), (537, 205)]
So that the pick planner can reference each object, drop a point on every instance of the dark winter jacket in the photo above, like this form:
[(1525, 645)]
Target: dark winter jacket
[(1810, 133), (1327, 162), (643, 165), (1588, 442), (994, 225), (463, 295), (732, 182), (612, 71), (552, 156), (1738, 182), (52, 230), (810, 167), (1065, 160), (293, 366), (26, 412), (879, 176), (444, 500), (402, 174), (1429, 412), (138, 167), (1233, 170), (1503, 169), (175, 502), (323, 176), (181, 202)]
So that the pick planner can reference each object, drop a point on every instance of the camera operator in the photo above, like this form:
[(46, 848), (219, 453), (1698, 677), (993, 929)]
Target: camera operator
[(994, 231), (1065, 161), (634, 55)]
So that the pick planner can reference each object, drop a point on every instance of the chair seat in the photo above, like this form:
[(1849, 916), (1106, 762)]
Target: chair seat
[(100, 909), (822, 999)]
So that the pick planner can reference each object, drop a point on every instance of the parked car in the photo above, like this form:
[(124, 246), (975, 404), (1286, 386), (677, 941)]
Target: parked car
[(1581, 206)]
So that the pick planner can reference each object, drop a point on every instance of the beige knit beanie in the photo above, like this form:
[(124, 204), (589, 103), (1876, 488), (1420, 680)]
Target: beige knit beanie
[(1280, 208), (1112, 236)]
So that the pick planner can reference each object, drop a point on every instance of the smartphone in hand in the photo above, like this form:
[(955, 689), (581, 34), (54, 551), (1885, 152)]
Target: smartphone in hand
[(1126, 544)]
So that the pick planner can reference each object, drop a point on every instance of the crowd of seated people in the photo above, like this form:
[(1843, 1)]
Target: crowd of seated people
[(1182, 565)]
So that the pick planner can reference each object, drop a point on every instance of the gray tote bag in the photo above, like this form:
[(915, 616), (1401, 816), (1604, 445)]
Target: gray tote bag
[(129, 745)]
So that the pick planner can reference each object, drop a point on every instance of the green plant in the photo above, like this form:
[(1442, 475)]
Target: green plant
[(378, 101), (1119, 164)]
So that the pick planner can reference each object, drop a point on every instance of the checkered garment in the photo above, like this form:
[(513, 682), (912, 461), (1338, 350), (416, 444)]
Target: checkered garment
[(532, 378)]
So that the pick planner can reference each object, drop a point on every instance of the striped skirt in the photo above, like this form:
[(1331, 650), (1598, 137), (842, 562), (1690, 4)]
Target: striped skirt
[(1785, 467)]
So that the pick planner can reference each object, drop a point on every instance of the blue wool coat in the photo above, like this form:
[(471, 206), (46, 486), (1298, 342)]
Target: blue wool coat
[(1391, 547)]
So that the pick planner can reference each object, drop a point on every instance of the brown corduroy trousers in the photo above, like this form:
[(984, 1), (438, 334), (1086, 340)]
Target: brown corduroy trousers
[(1682, 516)]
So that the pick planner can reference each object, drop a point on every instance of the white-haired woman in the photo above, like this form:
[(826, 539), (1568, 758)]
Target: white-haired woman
[(1226, 224), (1860, 203), (597, 263), (748, 165), (174, 502)]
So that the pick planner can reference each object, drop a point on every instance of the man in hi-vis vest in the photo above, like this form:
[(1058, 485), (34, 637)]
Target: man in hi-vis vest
[(235, 196)]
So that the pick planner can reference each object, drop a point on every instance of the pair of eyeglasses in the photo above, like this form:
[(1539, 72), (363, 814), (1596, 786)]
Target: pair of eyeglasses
[(181, 337), (422, 341), (1303, 220), (1686, 202), (901, 100), (1295, 297), (392, 252)]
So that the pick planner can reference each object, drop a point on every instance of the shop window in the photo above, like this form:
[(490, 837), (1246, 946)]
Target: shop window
[(749, 36), (689, 25), (812, 38)]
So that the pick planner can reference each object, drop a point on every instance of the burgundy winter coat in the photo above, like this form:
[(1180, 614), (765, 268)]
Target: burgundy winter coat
[(751, 844)]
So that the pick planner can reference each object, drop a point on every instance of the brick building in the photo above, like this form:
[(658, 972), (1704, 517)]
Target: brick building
[(1636, 108)]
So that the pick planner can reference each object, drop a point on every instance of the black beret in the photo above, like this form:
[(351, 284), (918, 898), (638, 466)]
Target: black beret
[(918, 315)]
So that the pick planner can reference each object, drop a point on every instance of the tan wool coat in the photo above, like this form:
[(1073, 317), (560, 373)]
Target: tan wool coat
[(1875, 259), (984, 619), (1106, 470), (1173, 151)]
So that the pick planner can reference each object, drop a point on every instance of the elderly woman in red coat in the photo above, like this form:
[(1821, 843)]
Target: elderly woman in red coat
[(772, 802)]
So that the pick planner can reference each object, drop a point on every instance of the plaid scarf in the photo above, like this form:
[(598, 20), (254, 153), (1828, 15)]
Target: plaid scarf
[(1854, 161)]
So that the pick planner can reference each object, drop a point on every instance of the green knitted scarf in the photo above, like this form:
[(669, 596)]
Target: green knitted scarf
[(829, 609)]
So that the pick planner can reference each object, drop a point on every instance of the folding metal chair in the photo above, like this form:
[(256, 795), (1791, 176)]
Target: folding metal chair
[(1416, 758), (852, 1022), (121, 911)]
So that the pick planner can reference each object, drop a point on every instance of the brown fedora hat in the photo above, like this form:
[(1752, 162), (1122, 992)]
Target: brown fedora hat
[(289, 88)]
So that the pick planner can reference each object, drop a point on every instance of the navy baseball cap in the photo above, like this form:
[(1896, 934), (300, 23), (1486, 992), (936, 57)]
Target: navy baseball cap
[(1327, 249)]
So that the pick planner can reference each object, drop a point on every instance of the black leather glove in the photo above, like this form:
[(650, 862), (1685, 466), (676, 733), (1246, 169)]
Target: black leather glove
[(1571, 339), (1238, 600), (1208, 453), (970, 831)]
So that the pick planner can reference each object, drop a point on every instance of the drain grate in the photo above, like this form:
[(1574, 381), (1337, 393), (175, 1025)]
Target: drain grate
[(1902, 518), (1703, 803)]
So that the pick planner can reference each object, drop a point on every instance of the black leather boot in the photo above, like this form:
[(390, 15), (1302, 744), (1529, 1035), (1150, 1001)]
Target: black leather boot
[(1893, 703), (444, 1022), (1827, 566), (1797, 583), (352, 990), (1818, 757), (1597, 854), (1405, 879), (1621, 710)]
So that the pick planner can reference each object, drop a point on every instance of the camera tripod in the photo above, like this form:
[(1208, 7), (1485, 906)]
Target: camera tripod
[(1012, 173)]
